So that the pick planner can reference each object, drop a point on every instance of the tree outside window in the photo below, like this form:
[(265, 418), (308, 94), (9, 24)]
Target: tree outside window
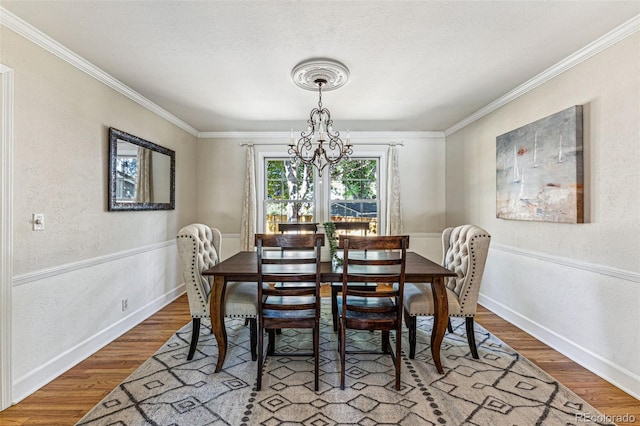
[(289, 193)]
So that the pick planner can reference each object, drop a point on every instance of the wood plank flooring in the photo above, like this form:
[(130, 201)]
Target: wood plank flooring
[(66, 399)]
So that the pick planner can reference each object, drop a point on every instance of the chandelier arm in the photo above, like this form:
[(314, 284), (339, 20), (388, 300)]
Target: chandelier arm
[(312, 123)]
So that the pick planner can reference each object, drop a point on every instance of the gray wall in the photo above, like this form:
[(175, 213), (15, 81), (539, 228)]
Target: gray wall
[(574, 286), (221, 170), (69, 280)]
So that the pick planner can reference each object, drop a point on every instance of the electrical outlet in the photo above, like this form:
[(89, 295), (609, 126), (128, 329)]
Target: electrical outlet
[(38, 221), (125, 304)]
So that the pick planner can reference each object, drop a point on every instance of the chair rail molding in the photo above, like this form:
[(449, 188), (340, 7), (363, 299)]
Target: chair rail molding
[(19, 280), (6, 232), (585, 266)]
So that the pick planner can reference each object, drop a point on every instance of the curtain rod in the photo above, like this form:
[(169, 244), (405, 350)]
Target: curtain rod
[(401, 143)]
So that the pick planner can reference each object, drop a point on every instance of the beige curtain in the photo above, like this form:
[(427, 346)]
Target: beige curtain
[(143, 176), (393, 207), (248, 226)]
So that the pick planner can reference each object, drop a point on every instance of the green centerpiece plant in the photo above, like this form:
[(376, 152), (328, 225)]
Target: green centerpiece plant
[(332, 238)]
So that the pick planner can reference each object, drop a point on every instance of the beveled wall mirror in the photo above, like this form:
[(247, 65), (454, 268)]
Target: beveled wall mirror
[(141, 174)]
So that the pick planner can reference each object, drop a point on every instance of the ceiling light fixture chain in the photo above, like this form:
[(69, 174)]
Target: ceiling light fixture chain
[(312, 148)]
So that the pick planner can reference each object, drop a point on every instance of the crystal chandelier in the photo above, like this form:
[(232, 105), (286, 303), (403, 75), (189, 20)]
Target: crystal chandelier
[(320, 145)]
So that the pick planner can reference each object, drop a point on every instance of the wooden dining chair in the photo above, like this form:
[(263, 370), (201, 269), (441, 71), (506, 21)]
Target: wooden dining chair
[(348, 228), (372, 260), (283, 301)]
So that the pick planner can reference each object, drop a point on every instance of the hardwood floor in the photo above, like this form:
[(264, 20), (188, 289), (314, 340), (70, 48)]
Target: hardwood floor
[(65, 400)]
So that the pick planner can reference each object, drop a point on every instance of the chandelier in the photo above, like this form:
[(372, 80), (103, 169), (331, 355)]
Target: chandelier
[(320, 145)]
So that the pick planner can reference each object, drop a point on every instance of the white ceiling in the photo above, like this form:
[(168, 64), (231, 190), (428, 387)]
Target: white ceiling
[(415, 65)]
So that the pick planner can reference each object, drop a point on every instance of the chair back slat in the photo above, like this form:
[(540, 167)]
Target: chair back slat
[(372, 243), (300, 227), (289, 240)]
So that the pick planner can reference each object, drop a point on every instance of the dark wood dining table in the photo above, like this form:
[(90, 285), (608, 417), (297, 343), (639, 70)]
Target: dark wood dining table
[(243, 266)]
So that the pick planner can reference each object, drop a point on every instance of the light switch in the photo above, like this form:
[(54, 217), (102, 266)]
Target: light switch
[(38, 221)]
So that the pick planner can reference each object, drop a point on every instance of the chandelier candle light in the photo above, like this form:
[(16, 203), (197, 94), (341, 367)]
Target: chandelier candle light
[(320, 145)]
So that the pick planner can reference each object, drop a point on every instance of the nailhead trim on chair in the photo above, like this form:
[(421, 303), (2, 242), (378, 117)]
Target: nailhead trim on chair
[(473, 273), (194, 277), (194, 274)]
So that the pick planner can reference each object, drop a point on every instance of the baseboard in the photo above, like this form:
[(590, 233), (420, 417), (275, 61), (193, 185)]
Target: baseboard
[(614, 374), (35, 379)]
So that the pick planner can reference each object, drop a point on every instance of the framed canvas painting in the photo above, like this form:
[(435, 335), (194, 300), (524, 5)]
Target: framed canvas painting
[(539, 170)]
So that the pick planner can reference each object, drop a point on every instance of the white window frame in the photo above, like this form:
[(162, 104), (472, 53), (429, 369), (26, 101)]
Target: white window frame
[(321, 187), (261, 186), (381, 157)]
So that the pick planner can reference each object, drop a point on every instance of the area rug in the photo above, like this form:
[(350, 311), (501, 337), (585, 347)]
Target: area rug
[(500, 388)]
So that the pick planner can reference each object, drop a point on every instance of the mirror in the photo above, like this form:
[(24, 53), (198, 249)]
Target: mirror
[(141, 174)]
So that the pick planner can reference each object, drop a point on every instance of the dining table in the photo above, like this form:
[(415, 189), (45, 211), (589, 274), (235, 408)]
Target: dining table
[(243, 266)]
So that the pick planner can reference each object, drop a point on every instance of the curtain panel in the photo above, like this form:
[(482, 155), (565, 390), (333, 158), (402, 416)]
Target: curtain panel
[(393, 209), (249, 207)]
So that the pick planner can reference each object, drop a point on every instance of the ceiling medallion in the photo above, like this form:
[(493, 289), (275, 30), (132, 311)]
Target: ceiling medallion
[(311, 148), (333, 72)]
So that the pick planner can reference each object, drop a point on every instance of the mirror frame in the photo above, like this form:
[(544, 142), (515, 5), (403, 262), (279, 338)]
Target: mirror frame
[(113, 204)]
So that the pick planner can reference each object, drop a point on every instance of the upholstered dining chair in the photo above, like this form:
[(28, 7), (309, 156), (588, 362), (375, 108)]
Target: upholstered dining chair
[(465, 249), (284, 303), (199, 249), (372, 260)]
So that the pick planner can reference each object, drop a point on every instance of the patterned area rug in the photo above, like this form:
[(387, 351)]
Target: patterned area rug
[(501, 388)]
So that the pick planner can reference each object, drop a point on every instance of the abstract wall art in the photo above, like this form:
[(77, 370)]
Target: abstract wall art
[(539, 170)]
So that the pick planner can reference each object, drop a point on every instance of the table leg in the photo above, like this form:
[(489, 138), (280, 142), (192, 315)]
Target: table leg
[(440, 319), (334, 305), (216, 308)]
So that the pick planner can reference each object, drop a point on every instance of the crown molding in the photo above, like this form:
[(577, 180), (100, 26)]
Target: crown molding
[(36, 36), (620, 33), (354, 135)]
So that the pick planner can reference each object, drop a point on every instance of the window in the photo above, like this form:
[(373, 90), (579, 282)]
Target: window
[(126, 171), (289, 193), (294, 193), (354, 192)]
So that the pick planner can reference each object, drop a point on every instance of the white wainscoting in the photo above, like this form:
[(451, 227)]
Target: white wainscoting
[(588, 312), (63, 315)]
